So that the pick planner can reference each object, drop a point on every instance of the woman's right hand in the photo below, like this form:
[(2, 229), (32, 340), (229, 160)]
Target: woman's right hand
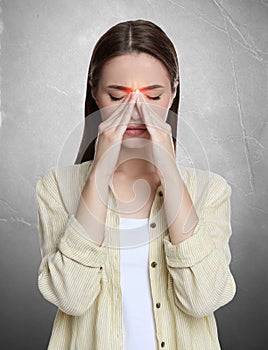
[(110, 136), (92, 207)]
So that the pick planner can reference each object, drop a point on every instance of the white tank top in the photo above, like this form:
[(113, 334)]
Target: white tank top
[(138, 319)]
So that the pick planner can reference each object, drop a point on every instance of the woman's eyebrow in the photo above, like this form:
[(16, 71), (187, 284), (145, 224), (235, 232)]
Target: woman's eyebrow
[(124, 88)]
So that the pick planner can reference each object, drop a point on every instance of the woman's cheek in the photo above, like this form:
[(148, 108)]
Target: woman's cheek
[(108, 107), (106, 112), (160, 108)]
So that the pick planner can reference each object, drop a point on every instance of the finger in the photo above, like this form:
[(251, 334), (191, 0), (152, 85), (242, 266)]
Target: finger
[(120, 117), (146, 111), (118, 111), (151, 117), (121, 120), (127, 113), (114, 119), (151, 112)]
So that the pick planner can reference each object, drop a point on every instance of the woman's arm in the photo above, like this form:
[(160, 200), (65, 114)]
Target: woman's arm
[(70, 271), (199, 265), (92, 208)]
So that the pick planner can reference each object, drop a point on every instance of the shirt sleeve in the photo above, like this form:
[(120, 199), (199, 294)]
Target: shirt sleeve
[(70, 271), (199, 265)]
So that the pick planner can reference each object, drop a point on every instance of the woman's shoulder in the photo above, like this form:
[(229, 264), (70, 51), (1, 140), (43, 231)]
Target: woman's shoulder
[(64, 184), (204, 185), (65, 174), (207, 176)]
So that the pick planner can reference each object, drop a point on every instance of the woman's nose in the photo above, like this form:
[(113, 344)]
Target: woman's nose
[(136, 113)]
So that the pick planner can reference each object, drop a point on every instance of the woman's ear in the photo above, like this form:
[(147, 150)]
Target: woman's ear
[(175, 92)]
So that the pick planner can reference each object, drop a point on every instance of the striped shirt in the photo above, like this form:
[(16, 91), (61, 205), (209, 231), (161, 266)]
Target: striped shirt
[(188, 281)]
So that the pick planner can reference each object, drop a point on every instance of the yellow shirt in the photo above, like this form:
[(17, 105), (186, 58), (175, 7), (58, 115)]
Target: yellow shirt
[(188, 281)]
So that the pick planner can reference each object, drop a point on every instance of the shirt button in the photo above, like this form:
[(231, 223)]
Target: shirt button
[(153, 264), (158, 305), (153, 224), (160, 193), (162, 344)]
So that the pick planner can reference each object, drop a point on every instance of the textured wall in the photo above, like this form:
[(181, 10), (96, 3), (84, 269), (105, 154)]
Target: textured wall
[(223, 51)]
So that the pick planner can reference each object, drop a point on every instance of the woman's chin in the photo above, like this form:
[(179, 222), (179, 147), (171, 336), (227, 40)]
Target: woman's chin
[(134, 142)]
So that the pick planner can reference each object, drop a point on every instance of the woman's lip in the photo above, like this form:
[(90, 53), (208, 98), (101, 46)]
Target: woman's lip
[(136, 127), (135, 132)]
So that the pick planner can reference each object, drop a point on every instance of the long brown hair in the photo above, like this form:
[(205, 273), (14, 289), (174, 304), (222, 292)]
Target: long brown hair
[(137, 36)]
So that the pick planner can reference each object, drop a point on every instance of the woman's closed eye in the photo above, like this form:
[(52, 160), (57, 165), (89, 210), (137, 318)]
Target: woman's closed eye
[(120, 98), (116, 98), (154, 98)]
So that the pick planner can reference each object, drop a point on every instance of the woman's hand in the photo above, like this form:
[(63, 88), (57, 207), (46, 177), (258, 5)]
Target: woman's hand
[(179, 209), (110, 136), (92, 208), (161, 138)]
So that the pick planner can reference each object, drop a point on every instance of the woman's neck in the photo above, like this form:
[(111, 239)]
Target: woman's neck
[(135, 162)]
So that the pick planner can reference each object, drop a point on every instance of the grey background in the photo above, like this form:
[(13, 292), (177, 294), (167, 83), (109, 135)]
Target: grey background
[(223, 53)]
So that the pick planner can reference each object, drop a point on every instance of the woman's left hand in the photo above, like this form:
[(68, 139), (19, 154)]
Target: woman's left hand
[(161, 137), (180, 212)]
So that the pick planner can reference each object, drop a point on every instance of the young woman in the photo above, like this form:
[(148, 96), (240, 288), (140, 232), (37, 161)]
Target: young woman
[(130, 192)]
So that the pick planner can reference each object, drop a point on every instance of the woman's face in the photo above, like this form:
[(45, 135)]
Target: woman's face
[(123, 74)]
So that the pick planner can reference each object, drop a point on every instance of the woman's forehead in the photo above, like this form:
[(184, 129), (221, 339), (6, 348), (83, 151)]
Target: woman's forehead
[(135, 71)]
